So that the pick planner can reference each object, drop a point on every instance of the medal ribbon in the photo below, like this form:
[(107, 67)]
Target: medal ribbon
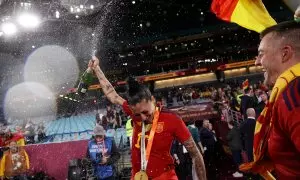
[(145, 156)]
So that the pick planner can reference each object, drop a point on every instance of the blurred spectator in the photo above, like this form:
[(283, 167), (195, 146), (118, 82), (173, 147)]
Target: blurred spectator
[(196, 136), (210, 127), (29, 133), (247, 101), (256, 97), (220, 96), (118, 121), (235, 145), (261, 105), (103, 153), (247, 130), (109, 112), (41, 133), (129, 131), (234, 104), (19, 131), (207, 138), (183, 161), (14, 163), (195, 95), (9, 137), (104, 122), (98, 119), (111, 121)]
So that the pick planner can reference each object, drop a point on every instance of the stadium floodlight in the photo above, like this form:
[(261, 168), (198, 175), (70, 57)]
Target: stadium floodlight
[(57, 14), (9, 28), (28, 20)]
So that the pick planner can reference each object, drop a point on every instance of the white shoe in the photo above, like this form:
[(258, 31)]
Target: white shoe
[(237, 175)]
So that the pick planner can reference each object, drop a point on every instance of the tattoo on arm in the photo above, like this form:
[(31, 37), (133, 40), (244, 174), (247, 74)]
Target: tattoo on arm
[(197, 158), (109, 92), (109, 86)]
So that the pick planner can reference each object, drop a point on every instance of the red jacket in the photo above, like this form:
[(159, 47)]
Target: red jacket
[(284, 141)]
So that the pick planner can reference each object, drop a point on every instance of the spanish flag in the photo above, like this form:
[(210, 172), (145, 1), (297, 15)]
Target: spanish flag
[(245, 84), (250, 14)]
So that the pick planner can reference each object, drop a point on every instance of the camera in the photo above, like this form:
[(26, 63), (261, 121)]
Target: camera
[(81, 169), (99, 156)]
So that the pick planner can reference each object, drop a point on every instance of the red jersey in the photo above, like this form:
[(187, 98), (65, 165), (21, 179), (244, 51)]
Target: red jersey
[(169, 127), (284, 141)]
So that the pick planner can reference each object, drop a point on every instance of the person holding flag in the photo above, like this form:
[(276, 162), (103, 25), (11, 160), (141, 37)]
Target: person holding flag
[(153, 133), (277, 131), (276, 139)]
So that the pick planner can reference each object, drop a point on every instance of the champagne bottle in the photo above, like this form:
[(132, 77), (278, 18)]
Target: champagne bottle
[(85, 81)]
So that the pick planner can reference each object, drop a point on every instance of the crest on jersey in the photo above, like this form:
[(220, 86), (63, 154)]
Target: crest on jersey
[(160, 127)]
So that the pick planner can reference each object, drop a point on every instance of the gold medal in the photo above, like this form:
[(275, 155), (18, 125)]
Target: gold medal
[(141, 175)]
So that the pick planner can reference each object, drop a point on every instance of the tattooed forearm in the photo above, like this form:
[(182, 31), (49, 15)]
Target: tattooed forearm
[(107, 88), (197, 158), (111, 91)]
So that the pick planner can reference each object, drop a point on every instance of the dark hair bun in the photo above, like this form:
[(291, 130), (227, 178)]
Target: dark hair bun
[(133, 86), (137, 92)]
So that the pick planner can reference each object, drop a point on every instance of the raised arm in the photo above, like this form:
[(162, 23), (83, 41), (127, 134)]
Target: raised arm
[(106, 86)]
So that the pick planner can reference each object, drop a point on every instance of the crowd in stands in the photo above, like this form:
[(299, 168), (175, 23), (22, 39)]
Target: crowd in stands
[(30, 133), (112, 118), (245, 100), (229, 96)]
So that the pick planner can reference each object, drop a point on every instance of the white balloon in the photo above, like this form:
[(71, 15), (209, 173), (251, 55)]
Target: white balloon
[(29, 99), (52, 66)]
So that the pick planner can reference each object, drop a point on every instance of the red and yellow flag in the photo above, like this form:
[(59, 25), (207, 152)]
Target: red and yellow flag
[(245, 84), (250, 14)]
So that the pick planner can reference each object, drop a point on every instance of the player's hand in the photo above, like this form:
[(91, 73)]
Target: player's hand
[(177, 161), (104, 160), (93, 63)]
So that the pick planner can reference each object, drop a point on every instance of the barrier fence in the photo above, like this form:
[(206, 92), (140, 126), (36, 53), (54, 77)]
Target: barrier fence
[(231, 115)]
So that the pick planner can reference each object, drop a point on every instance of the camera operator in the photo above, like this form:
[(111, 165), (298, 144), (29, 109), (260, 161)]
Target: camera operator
[(104, 154)]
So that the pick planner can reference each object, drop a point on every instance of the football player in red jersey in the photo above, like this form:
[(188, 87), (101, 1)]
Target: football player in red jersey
[(166, 126)]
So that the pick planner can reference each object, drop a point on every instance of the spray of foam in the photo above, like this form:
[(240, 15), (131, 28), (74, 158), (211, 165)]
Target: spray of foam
[(98, 31)]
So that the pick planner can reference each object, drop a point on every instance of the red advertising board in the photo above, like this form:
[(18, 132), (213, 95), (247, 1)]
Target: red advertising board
[(196, 112), (53, 158)]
